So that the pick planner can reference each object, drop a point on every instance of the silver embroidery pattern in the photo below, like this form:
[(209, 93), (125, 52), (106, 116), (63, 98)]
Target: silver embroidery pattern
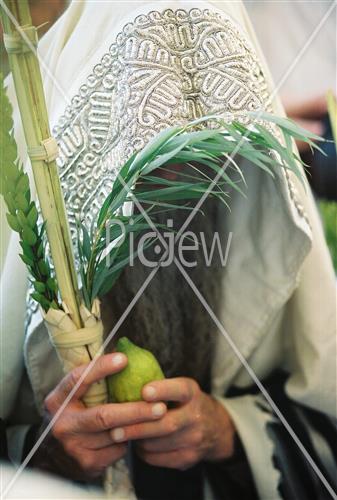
[(163, 69)]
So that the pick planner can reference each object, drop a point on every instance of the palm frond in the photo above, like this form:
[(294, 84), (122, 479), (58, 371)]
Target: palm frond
[(218, 149)]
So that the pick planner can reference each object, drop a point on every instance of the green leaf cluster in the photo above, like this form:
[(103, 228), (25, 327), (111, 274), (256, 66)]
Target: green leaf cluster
[(209, 153), (22, 215)]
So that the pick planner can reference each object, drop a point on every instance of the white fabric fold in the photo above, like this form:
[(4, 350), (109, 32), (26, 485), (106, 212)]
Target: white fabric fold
[(250, 422)]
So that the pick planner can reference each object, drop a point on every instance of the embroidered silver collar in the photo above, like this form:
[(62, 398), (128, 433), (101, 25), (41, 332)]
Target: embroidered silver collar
[(164, 68)]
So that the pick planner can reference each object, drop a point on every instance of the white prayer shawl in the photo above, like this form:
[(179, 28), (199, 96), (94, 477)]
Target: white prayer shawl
[(279, 287), (308, 30)]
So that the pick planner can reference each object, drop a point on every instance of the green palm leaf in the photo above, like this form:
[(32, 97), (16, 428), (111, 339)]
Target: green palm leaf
[(212, 148)]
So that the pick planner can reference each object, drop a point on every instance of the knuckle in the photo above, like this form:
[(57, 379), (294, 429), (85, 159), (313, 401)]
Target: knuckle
[(189, 389), (86, 461), (49, 402), (197, 437), (120, 451), (194, 388), (71, 448), (102, 420), (101, 364), (172, 426), (186, 393), (72, 379), (59, 430), (134, 431), (140, 411), (188, 460), (196, 417)]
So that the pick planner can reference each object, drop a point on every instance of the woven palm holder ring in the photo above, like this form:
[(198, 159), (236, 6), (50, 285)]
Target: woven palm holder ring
[(79, 347), (23, 40), (47, 151)]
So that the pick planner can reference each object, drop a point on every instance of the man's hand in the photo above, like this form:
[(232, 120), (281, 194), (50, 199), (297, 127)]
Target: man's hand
[(197, 428), (86, 433)]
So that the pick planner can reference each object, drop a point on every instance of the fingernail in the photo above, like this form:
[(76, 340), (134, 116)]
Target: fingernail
[(118, 434), (117, 359), (158, 410), (150, 392)]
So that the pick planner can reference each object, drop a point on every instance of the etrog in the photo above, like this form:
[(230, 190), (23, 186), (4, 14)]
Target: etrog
[(142, 368)]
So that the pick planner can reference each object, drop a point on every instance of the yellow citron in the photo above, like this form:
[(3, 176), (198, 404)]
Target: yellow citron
[(142, 368)]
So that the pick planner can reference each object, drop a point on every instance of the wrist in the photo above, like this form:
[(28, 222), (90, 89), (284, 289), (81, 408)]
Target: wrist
[(224, 433)]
